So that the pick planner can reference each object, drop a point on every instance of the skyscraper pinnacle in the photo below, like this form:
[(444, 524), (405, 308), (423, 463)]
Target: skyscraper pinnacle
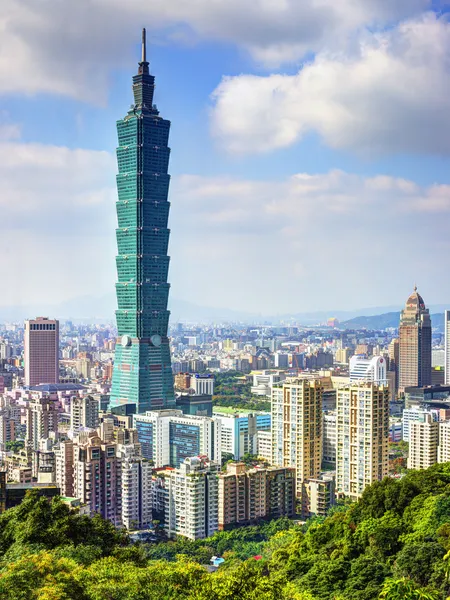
[(143, 64), (144, 46)]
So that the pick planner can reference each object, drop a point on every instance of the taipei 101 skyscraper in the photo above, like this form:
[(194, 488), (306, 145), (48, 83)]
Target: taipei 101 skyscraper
[(142, 372)]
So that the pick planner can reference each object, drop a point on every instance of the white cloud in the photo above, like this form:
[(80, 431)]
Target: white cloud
[(57, 208), (69, 48), (391, 94), (309, 242)]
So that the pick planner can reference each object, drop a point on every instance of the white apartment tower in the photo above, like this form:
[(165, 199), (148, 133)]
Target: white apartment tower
[(192, 504), (423, 442), (362, 436), (41, 349)]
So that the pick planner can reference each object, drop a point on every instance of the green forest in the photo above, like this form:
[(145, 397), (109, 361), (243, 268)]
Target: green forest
[(393, 544)]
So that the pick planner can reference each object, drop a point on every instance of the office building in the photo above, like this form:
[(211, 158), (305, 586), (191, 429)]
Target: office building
[(200, 405), (41, 351), (414, 344), (239, 431), (167, 437), (202, 384), (83, 413), (368, 369), (362, 437), (281, 360), (192, 499), (394, 359), (297, 427), (142, 373), (248, 495), (423, 442), (447, 346)]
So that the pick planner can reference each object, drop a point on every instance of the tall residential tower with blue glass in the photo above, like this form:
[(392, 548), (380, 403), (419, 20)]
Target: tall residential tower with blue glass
[(142, 372)]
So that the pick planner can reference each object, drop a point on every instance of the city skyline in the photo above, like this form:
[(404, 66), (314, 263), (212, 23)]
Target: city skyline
[(291, 192)]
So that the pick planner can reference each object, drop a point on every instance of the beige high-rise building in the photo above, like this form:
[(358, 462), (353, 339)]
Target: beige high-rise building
[(423, 442), (297, 427), (414, 344), (41, 351), (248, 495), (444, 442), (362, 436)]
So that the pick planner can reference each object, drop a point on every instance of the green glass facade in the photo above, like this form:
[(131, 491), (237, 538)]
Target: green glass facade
[(142, 372)]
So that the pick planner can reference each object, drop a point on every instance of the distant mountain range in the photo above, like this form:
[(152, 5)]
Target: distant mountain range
[(385, 320), (101, 309)]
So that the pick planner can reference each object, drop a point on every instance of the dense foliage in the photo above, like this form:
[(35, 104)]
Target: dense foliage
[(393, 544), (231, 390)]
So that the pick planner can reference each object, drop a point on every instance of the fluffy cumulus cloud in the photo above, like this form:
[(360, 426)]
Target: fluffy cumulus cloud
[(309, 242), (390, 94), (57, 210), (70, 48)]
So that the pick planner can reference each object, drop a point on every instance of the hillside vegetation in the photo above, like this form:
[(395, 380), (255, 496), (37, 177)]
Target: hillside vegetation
[(392, 544)]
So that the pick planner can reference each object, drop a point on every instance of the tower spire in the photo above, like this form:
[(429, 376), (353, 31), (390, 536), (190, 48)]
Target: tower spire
[(144, 46)]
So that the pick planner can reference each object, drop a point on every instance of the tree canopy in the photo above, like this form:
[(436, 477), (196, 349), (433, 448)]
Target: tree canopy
[(394, 544)]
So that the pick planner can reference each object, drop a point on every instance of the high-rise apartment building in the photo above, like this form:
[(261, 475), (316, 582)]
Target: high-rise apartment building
[(192, 501), (297, 427), (167, 437), (142, 372), (7, 426), (136, 487), (423, 442), (447, 346), (83, 413), (42, 421), (96, 476), (246, 496), (414, 344), (239, 432), (41, 351), (362, 436), (443, 455), (368, 369), (329, 438)]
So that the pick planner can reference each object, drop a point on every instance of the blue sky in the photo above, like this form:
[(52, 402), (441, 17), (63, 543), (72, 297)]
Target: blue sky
[(310, 149)]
